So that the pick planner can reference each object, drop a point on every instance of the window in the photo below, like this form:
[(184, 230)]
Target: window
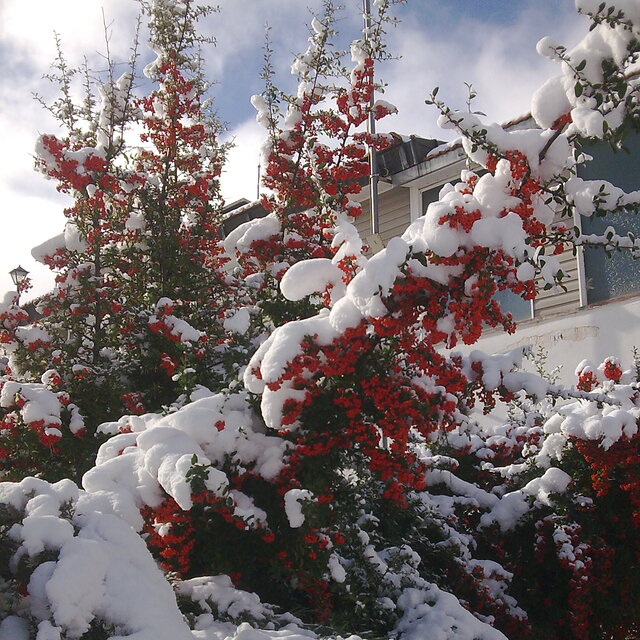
[(509, 302), (616, 275), (431, 195), (512, 303)]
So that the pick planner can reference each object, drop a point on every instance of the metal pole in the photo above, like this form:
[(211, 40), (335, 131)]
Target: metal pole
[(373, 157), (371, 128), (258, 185)]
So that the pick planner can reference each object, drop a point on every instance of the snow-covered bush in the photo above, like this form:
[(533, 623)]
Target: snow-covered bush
[(346, 479), (76, 570), (364, 390), (139, 312)]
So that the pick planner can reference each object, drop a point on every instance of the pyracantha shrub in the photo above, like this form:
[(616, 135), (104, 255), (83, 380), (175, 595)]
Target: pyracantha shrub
[(349, 481), (141, 311)]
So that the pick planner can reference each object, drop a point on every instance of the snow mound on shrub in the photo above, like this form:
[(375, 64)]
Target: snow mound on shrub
[(150, 455), (102, 573)]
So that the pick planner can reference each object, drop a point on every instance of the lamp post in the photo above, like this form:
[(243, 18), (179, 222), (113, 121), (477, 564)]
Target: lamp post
[(18, 275)]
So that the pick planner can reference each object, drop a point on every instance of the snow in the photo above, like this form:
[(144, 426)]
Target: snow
[(282, 346), (73, 238), (558, 96), (345, 315), (512, 506), (504, 233), (293, 507), (495, 367), (437, 615), (591, 195), (48, 248), (272, 405), (167, 455), (470, 491), (263, 117), (377, 278), (37, 533), (115, 102), (14, 628), (76, 585), (585, 420), (225, 598), (550, 101), (239, 322), (40, 404), (135, 222), (101, 569), (179, 328), (46, 631), (311, 276), (246, 632), (338, 574), (243, 236)]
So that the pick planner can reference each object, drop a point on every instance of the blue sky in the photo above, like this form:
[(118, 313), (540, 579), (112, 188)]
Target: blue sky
[(489, 43)]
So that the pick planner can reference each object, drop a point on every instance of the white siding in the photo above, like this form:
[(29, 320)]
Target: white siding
[(548, 303), (394, 214)]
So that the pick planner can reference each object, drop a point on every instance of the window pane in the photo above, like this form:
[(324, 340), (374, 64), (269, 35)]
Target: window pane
[(512, 303), (429, 196), (618, 274), (509, 302)]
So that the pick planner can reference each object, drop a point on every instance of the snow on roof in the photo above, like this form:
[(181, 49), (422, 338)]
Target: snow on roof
[(447, 147)]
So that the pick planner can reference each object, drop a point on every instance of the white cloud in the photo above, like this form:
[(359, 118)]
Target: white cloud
[(30, 208), (499, 60), (28, 28), (26, 222), (240, 176)]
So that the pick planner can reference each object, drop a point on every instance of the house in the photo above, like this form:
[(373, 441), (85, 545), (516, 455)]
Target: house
[(598, 312), (596, 315)]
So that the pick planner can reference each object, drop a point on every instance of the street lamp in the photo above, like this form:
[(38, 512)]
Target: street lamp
[(18, 275)]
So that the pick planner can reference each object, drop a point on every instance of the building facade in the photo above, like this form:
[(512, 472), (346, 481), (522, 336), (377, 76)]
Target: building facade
[(594, 315), (597, 312)]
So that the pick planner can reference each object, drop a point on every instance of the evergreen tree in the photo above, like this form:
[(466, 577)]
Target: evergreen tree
[(138, 266)]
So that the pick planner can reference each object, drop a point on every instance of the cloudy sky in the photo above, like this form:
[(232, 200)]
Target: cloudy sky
[(445, 43)]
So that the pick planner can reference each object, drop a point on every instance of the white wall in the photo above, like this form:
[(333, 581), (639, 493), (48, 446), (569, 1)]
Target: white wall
[(594, 333)]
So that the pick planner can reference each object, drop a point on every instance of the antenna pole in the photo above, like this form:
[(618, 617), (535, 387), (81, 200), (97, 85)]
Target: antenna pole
[(373, 157), (258, 185), (371, 128)]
